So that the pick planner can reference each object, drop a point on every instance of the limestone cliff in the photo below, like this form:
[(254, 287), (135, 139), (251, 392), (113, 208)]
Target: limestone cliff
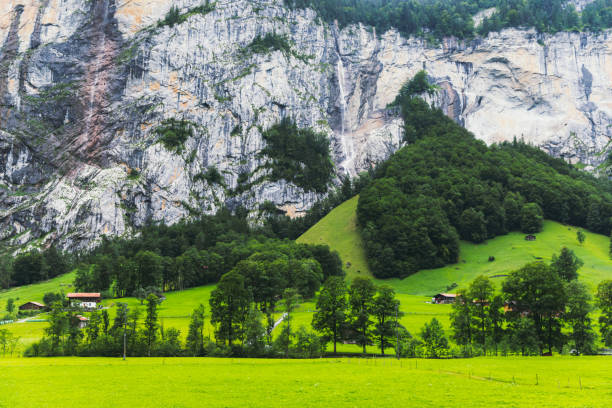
[(85, 83)]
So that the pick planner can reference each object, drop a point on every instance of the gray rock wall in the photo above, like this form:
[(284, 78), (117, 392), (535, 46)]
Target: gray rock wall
[(85, 83)]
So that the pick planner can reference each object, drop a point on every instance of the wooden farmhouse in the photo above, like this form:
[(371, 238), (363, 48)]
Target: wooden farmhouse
[(32, 306), (84, 300), (444, 298)]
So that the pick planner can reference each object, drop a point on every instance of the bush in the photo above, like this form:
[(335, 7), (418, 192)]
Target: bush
[(174, 133), (174, 15), (269, 43)]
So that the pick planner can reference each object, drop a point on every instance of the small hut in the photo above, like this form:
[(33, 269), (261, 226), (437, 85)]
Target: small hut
[(83, 321)]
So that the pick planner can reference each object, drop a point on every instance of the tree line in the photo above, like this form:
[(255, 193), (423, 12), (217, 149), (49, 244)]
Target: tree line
[(33, 266), (549, 16), (446, 185), (171, 257), (437, 19), (542, 307)]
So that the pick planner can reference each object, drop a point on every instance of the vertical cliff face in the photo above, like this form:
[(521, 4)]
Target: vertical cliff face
[(84, 85)]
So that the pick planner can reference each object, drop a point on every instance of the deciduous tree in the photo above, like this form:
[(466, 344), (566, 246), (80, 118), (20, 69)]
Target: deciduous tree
[(330, 316), (361, 305), (604, 301), (566, 264), (385, 309), (229, 305), (434, 340)]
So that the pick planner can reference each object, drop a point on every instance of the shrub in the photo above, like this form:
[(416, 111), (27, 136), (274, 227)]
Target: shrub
[(269, 43), (173, 133)]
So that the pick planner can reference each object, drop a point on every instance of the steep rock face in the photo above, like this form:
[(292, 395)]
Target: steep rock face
[(85, 83)]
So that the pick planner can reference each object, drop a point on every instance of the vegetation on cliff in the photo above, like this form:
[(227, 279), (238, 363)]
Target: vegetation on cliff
[(442, 18), (447, 185)]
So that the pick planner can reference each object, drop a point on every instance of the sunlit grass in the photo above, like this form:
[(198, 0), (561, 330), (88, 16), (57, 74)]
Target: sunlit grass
[(198, 382)]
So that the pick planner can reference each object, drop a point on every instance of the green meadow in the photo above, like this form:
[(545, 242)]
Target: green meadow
[(212, 382), (338, 229)]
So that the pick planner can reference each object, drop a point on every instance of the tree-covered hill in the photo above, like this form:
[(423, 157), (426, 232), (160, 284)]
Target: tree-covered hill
[(446, 185)]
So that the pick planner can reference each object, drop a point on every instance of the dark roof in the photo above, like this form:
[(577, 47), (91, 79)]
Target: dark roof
[(451, 295), (34, 303)]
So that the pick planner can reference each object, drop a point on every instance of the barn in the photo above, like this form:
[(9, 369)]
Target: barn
[(32, 306)]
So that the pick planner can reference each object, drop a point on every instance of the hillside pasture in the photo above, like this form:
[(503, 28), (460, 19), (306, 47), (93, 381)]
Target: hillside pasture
[(339, 231)]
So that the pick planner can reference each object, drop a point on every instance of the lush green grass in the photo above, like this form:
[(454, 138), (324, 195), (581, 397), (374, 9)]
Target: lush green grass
[(36, 291), (338, 230), (175, 311), (195, 382)]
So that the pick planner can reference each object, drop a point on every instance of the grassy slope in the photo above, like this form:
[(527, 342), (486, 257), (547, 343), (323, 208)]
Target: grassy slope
[(36, 291), (196, 382), (511, 251), (338, 229), (30, 332)]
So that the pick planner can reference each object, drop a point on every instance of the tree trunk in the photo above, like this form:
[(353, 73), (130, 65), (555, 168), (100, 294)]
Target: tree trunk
[(364, 341), (335, 339)]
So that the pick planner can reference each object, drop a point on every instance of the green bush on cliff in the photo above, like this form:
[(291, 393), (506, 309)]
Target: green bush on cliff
[(300, 156), (173, 133)]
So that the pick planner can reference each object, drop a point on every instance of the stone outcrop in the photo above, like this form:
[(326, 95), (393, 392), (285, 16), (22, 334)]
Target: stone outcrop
[(85, 83)]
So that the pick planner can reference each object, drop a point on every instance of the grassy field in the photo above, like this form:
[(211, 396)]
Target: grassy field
[(36, 291), (338, 230), (196, 382)]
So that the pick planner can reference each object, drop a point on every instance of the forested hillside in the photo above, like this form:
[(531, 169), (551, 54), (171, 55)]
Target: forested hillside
[(447, 185), (442, 18)]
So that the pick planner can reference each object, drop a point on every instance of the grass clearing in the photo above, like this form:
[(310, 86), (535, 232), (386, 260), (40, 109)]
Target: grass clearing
[(197, 382)]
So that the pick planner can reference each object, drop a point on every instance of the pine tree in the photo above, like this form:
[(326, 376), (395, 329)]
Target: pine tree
[(150, 324)]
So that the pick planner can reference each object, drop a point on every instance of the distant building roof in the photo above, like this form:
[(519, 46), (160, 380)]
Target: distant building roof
[(446, 295), (82, 318), (83, 295), (33, 303)]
